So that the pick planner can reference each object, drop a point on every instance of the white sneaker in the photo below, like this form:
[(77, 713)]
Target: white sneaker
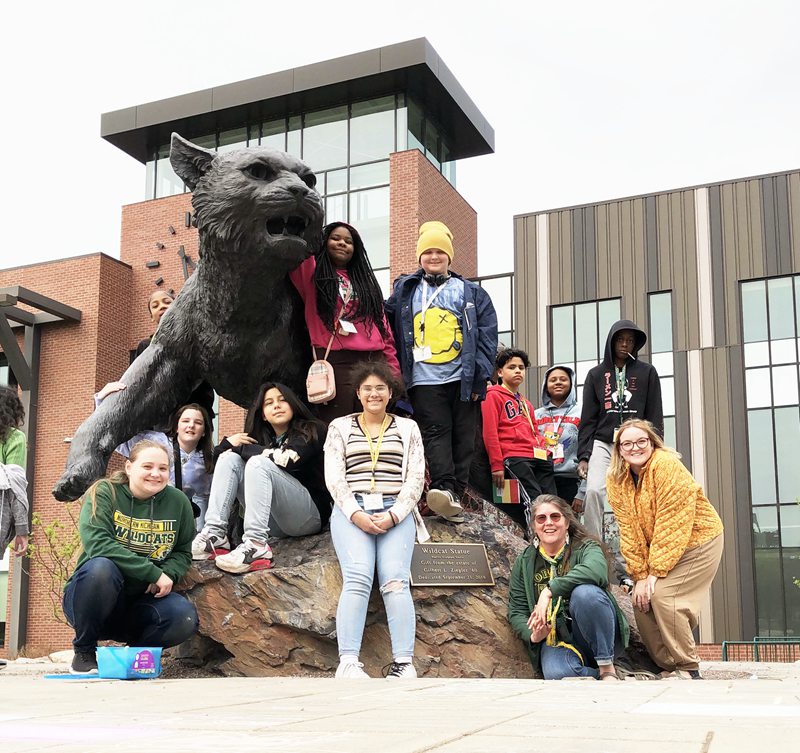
[(443, 502), (350, 670), (206, 542), (404, 670), (246, 557)]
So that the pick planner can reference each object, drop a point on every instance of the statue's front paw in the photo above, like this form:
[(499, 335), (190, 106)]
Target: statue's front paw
[(77, 479)]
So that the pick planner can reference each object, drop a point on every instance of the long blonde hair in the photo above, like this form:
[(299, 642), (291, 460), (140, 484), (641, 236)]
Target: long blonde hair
[(120, 478), (619, 467)]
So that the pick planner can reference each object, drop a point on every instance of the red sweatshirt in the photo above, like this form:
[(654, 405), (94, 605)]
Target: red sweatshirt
[(507, 433), (362, 339)]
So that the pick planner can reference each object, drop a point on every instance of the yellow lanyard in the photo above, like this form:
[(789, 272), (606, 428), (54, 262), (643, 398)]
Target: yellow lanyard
[(374, 450)]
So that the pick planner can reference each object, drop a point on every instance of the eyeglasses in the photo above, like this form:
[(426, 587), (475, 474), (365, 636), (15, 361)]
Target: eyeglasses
[(640, 444), (555, 517), (381, 389)]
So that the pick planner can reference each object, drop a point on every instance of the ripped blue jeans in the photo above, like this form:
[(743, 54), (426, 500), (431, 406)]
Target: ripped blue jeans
[(358, 554)]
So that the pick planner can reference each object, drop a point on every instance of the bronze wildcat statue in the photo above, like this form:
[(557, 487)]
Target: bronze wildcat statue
[(237, 322)]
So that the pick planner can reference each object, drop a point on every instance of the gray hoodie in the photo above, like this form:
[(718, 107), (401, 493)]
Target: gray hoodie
[(559, 426)]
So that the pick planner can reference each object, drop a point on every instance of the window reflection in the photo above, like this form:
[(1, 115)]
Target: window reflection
[(762, 456), (781, 308), (758, 388), (787, 440), (754, 311), (369, 212)]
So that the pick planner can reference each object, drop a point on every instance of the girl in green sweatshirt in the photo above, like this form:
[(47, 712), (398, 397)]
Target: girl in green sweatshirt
[(136, 535)]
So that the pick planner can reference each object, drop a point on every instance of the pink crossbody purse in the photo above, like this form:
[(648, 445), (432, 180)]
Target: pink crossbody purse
[(320, 381)]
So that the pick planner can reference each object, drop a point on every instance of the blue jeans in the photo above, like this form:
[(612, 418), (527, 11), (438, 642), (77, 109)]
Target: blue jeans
[(358, 553), (595, 634), (95, 604), (275, 502)]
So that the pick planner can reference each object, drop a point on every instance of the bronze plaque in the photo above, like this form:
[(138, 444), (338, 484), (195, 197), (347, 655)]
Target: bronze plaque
[(450, 565)]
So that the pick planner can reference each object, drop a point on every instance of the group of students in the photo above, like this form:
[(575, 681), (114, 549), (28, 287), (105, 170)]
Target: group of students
[(352, 464), (362, 469)]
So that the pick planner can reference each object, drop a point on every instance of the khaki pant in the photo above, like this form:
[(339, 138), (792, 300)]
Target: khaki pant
[(666, 629)]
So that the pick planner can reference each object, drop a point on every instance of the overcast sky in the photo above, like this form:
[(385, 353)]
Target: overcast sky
[(589, 101)]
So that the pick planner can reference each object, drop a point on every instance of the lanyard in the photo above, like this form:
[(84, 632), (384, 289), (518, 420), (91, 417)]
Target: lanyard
[(374, 450), (426, 304), (620, 389)]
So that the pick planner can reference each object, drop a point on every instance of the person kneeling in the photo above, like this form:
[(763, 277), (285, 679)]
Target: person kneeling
[(559, 603), (275, 470), (136, 532)]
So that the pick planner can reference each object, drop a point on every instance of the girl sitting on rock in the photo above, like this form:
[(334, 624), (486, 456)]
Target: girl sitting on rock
[(275, 470), (375, 469)]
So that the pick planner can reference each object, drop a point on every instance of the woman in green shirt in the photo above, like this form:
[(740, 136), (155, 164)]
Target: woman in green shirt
[(136, 533), (559, 603)]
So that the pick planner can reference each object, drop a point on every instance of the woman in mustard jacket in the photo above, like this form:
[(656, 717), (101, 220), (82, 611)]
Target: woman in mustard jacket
[(671, 538)]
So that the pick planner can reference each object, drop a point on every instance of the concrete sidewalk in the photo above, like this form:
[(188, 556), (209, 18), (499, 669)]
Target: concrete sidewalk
[(379, 716)]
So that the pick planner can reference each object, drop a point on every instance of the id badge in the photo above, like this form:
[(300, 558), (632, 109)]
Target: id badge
[(539, 453), (422, 353), (373, 502), (346, 328), (558, 453)]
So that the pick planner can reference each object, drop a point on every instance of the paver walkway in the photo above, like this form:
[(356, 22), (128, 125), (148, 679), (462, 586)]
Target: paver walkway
[(379, 716)]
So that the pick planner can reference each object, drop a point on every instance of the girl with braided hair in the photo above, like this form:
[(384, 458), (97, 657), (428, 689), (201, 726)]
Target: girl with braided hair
[(343, 307)]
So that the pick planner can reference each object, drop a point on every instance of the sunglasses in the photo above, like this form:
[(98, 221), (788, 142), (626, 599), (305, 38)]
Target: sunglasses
[(555, 517)]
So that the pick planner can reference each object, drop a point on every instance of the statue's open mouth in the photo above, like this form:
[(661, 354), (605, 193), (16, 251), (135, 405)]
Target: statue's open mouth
[(292, 225)]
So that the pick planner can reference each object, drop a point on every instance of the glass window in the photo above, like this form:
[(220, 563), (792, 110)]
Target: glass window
[(273, 134), (366, 176), (369, 212), (660, 335), (791, 577), (783, 351), (754, 311), (416, 126), (325, 138), (563, 334), (232, 140), (337, 181), (402, 129), (499, 290), (758, 390), (784, 385), (167, 182), (762, 456), (765, 527), (787, 440), (579, 332), (371, 130), (150, 179), (663, 363), (586, 332), (382, 276), (756, 354), (790, 525), (670, 438), (668, 396), (781, 308), (769, 592), (294, 137), (336, 209)]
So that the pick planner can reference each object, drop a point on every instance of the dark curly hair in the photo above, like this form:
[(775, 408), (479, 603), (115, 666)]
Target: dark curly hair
[(12, 414), (364, 370), (367, 303)]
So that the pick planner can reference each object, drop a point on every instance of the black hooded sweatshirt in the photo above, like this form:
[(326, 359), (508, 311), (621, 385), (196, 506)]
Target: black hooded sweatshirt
[(602, 411)]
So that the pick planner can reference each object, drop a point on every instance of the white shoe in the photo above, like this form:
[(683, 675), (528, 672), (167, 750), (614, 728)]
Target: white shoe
[(404, 670), (443, 502), (246, 557), (350, 670), (206, 542)]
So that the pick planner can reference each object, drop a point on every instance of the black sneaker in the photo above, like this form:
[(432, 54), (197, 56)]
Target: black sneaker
[(695, 674), (84, 663)]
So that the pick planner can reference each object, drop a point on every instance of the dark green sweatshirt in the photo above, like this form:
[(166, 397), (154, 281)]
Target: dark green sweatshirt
[(587, 565), (143, 538)]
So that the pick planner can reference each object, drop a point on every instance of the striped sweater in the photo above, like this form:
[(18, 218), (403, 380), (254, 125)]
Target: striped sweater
[(661, 517)]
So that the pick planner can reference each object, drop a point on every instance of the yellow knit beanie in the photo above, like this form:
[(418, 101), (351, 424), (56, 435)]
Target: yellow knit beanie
[(435, 234)]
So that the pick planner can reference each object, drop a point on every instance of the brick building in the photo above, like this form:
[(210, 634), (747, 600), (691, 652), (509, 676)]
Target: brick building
[(382, 129)]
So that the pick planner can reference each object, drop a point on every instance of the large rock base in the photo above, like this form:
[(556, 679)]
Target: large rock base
[(282, 621)]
